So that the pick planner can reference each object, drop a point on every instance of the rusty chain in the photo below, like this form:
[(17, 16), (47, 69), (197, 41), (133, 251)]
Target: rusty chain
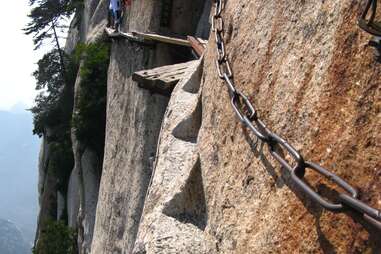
[(248, 116), (370, 25)]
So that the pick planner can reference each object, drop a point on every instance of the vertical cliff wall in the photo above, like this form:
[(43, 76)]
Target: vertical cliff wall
[(134, 118), (47, 185), (88, 154)]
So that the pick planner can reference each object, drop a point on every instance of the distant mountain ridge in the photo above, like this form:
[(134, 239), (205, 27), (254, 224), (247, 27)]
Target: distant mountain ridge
[(11, 239)]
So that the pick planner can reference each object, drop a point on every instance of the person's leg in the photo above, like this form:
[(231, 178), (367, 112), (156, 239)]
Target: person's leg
[(117, 20), (109, 18), (113, 18)]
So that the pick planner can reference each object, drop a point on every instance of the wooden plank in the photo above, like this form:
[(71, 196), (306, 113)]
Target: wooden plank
[(129, 36), (161, 80), (149, 37), (197, 46), (163, 39), (111, 32)]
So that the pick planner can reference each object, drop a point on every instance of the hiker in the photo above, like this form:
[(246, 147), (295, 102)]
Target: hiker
[(114, 14)]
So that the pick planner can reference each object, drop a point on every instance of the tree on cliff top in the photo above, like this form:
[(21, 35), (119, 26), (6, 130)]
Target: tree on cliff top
[(54, 105), (46, 17), (55, 70), (51, 83)]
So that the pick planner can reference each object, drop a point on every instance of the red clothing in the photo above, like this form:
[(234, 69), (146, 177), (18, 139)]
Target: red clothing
[(127, 2)]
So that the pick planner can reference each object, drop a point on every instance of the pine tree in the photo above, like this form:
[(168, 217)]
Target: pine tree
[(55, 70), (50, 82), (46, 17)]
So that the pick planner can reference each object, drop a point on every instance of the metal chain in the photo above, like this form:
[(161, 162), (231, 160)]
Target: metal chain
[(370, 25), (248, 116)]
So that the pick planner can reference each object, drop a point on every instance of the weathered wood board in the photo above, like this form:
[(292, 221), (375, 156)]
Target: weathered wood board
[(161, 80), (150, 38), (197, 45), (162, 39)]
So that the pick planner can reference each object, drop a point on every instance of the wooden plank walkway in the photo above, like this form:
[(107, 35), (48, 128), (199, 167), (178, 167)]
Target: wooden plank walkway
[(162, 39), (161, 80), (196, 43), (129, 36)]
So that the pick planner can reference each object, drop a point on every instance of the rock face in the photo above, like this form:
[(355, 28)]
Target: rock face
[(91, 174), (47, 185), (87, 170), (73, 199), (307, 67), (134, 118), (174, 215), (85, 178)]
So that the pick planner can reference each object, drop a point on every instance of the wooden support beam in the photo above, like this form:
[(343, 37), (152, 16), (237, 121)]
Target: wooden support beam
[(197, 45), (163, 39), (161, 80)]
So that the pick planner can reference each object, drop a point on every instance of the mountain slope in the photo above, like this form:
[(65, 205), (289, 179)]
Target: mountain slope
[(11, 240)]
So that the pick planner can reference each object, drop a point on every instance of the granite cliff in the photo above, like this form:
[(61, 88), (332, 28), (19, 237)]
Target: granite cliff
[(179, 173)]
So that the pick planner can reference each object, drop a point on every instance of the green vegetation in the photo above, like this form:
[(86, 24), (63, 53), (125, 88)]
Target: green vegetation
[(47, 16), (90, 119), (54, 103), (56, 238), (61, 163), (53, 110)]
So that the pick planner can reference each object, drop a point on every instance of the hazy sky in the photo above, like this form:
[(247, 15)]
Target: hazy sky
[(17, 57)]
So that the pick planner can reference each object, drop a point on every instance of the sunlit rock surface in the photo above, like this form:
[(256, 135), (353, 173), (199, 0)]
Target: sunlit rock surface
[(307, 67)]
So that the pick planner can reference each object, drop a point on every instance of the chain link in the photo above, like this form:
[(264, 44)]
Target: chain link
[(248, 116), (370, 25), (223, 67)]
